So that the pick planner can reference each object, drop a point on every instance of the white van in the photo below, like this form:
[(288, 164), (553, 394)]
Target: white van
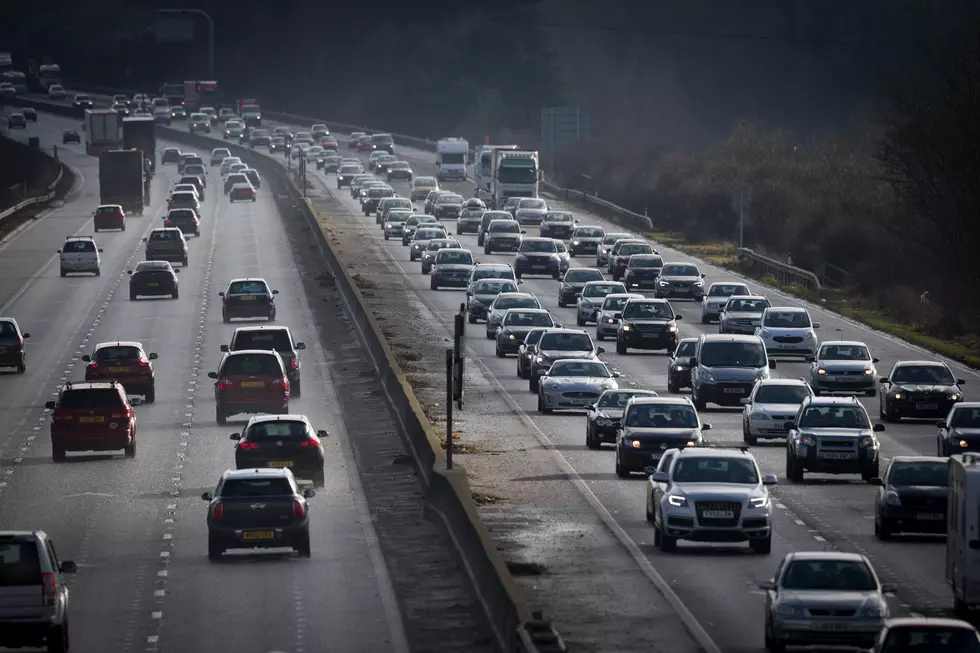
[(963, 531), (80, 254)]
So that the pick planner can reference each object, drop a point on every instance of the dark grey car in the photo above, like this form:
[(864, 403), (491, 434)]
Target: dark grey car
[(12, 351)]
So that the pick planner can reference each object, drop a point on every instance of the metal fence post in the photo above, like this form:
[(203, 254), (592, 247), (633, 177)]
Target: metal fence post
[(459, 335), (449, 409)]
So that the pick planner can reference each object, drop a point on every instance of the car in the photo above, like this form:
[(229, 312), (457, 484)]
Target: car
[(531, 211), (12, 350), (185, 199), (400, 170), (788, 331), (153, 278), (258, 508), (960, 431), (359, 192), (312, 153), (219, 154), (436, 245), (605, 247), (504, 302), (92, 416), (742, 314), (680, 280), (199, 183), (395, 221), (563, 259), (416, 222), (537, 256), (261, 138), (843, 366), (491, 271), (29, 113), (328, 143), (278, 144), (250, 381), (364, 144), (469, 220), (196, 170), (374, 159), (430, 200), (603, 417), (503, 235), (353, 139), (83, 101), (374, 195), (771, 405), (248, 298), (642, 271), (210, 112), (186, 159), (911, 496), (574, 384), (16, 121), (282, 442), (70, 136), (389, 203), (557, 224), (515, 325), (622, 252), (447, 206), (227, 163), (167, 244), (912, 634), (449, 267), (162, 115), (273, 338), (646, 324), (234, 178), (56, 92), (34, 595), (346, 173), (486, 220), (585, 240), (225, 114), (481, 293), (125, 362), (572, 283), (383, 142), (652, 425), (242, 192), (526, 351), (122, 98), (238, 168), (558, 344), (80, 254), (319, 130), (233, 129), (121, 108), (832, 435), (808, 584), (918, 389), (199, 123), (108, 216), (178, 113), (607, 322), (593, 295), (331, 163), (186, 220), (421, 238), (171, 155), (510, 205), (7, 90), (717, 296), (679, 364), (726, 368)]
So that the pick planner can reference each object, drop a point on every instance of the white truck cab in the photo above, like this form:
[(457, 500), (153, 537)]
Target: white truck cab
[(451, 155), (963, 532)]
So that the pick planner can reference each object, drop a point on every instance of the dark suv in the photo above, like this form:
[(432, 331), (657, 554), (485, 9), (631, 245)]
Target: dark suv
[(92, 417), (12, 352), (166, 244), (273, 338)]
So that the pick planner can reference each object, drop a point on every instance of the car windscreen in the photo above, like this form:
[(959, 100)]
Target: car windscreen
[(375, 193), (646, 262), (968, 418), (183, 197), (120, 353), (449, 257), (256, 487), (686, 350), (248, 288), (509, 227), (637, 248), (494, 287), (733, 354), (588, 232), (928, 474), (502, 303), (165, 235), (20, 564), (265, 339), (923, 375), (194, 169), (579, 368), (252, 364), (829, 575), (727, 290), (648, 311), (844, 353), (546, 246), (438, 244), (611, 303), (492, 273), (399, 203), (533, 336), (787, 319), (610, 239), (927, 638), (429, 234), (79, 246), (532, 204), (559, 217), (662, 416), (570, 341), (715, 471), (680, 271), (830, 417), (522, 319), (747, 305), (90, 398), (619, 398), (781, 394), (602, 289), (277, 429), (581, 275)]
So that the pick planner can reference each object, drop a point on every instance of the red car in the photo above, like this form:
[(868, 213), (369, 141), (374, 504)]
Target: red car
[(242, 192), (250, 381), (365, 145), (329, 143), (126, 363), (92, 417), (109, 216)]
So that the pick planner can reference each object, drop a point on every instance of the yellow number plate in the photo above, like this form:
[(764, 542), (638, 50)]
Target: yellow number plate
[(259, 535), (280, 463), (152, 284), (253, 384), (118, 369), (91, 419), (247, 298)]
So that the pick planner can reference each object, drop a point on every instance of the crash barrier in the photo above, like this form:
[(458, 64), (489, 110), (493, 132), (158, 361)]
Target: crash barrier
[(42, 198), (784, 273)]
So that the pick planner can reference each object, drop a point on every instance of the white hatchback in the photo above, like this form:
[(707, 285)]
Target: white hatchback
[(788, 331), (80, 254)]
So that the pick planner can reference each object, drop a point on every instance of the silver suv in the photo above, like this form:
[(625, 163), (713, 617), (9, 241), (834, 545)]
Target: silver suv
[(832, 435), (711, 495), (33, 594)]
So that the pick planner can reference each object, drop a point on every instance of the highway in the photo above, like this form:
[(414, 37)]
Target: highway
[(136, 527)]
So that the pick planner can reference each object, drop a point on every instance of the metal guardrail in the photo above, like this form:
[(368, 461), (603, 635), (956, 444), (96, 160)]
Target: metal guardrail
[(37, 199), (782, 272)]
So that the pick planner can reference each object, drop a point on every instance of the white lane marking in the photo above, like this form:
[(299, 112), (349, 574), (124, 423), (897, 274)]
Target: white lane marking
[(819, 538)]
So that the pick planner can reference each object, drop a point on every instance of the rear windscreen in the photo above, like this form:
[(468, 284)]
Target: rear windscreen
[(248, 288), (277, 430), (165, 236), (90, 398), (7, 330), (278, 340), (117, 354), (19, 564), (256, 487), (79, 246), (252, 364)]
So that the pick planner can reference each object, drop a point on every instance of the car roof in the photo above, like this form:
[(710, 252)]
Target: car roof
[(516, 294), (921, 363), (108, 206), (920, 459), (784, 381), (826, 555), (729, 282), (564, 331), (264, 352), (680, 263), (602, 282), (88, 238), (17, 534), (682, 340), (786, 309), (646, 256), (90, 385), (620, 295), (716, 452), (262, 328), (940, 622), (257, 472), (527, 310), (119, 343), (661, 400), (728, 337), (748, 297), (546, 240), (247, 279), (501, 266), (646, 300), (288, 417), (966, 404), (843, 343), (833, 401)]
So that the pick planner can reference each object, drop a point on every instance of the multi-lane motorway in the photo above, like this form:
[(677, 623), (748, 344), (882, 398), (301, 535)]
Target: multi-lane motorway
[(136, 527)]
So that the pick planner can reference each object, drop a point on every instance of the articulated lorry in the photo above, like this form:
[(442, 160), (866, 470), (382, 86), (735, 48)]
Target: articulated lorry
[(102, 131), (139, 133), (516, 173), (122, 179), (451, 154), (483, 169)]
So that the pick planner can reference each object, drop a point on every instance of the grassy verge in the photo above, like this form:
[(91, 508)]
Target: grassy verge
[(965, 349)]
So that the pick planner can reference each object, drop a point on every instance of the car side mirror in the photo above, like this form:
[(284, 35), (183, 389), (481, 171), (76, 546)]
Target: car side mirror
[(616, 375), (207, 496), (129, 271), (67, 567), (770, 479), (974, 544), (101, 251), (878, 428), (523, 232), (883, 379), (558, 325), (224, 348), (275, 292), (153, 357), (221, 294), (706, 427), (816, 325), (960, 382), (25, 336), (309, 494), (59, 251), (703, 276), (212, 375), (618, 316), (772, 365), (745, 401), (941, 424), (300, 345), (888, 588), (49, 405), (136, 401), (767, 585), (659, 477), (810, 359), (876, 481), (520, 281), (322, 433), (649, 471), (692, 361), (788, 426), (875, 360), (144, 240), (86, 358), (600, 350), (235, 436), (176, 270)]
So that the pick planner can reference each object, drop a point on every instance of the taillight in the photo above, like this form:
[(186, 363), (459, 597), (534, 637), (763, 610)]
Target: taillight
[(93, 366), (311, 443), (248, 446), (280, 383), (294, 363), (217, 511), (168, 223), (298, 511), (20, 343), (225, 384), (49, 589), (127, 413), (144, 363)]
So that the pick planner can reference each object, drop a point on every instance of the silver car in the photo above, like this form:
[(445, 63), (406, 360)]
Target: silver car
[(742, 314), (606, 245), (571, 384), (821, 598), (844, 366), (772, 404), (415, 222), (421, 240), (504, 302), (590, 301), (788, 331), (482, 293), (435, 246), (531, 210), (395, 222), (680, 280), (585, 240), (712, 495), (564, 260), (716, 298)]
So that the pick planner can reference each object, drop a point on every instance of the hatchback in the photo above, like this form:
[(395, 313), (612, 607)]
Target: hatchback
[(282, 441), (250, 381), (109, 216), (124, 362), (166, 244), (12, 352)]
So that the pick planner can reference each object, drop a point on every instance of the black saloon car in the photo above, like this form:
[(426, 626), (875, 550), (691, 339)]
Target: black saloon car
[(918, 389), (248, 298), (153, 278), (283, 442), (911, 496)]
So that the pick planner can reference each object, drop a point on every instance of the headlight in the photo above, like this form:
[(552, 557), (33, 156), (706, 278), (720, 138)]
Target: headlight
[(662, 284), (627, 327), (705, 375), (636, 444), (676, 500), (897, 395), (869, 372), (869, 441), (540, 360), (758, 502), (964, 443), (765, 333), (807, 441), (602, 421), (513, 337), (759, 416), (698, 283), (808, 335), (671, 328), (822, 371), (680, 368), (610, 321), (387, 225), (891, 498), (875, 612), (576, 242), (521, 257), (954, 397)]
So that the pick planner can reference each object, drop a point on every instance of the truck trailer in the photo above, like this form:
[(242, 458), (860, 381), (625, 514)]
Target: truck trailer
[(139, 133), (102, 131), (122, 179)]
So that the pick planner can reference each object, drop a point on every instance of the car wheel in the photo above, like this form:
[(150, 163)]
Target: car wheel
[(471, 318), (386, 235), (621, 349), (151, 394), (499, 352), (763, 546), (600, 338), (131, 448), (704, 319), (21, 368), (175, 294), (668, 544), (561, 304), (533, 383), (296, 389), (793, 470), (590, 441), (621, 471), (671, 386), (57, 453), (579, 321), (883, 530), (303, 546), (219, 416), (225, 318), (214, 549), (58, 639)]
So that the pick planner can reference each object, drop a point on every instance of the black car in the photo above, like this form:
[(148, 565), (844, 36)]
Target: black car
[(642, 271), (447, 208), (678, 365), (260, 137), (383, 142), (272, 338), (30, 114), (603, 418), (912, 496), (248, 298), (526, 352), (70, 136), (557, 224), (278, 144), (184, 219), (918, 389), (960, 431), (573, 282), (171, 155), (284, 442), (515, 326), (12, 351), (16, 120), (646, 324), (153, 278), (258, 508)]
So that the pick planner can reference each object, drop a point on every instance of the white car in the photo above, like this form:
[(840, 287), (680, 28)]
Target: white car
[(717, 296), (56, 92), (7, 90), (531, 210), (772, 404), (80, 254), (219, 154), (313, 152), (788, 331), (186, 188), (227, 163)]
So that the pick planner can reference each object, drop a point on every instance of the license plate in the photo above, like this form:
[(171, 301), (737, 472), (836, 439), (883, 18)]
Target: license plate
[(846, 379), (718, 514), (656, 456), (152, 284), (836, 455), (253, 384), (538, 267), (734, 391), (247, 298), (927, 406), (786, 345), (91, 419), (118, 370), (831, 626), (279, 463), (930, 516), (259, 535)]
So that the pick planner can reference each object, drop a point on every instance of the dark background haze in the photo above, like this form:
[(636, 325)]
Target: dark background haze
[(675, 72)]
